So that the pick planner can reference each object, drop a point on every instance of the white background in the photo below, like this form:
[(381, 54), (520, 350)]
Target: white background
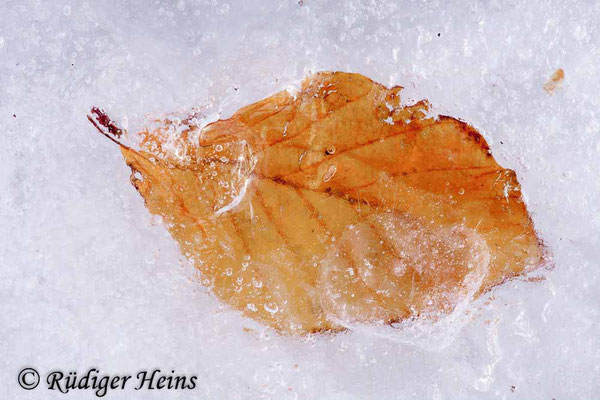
[(89, 278)]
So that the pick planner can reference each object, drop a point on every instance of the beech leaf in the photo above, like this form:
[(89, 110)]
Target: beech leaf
[(334, 205)]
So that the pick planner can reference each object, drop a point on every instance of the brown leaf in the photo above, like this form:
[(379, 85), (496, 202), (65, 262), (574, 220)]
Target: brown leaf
[(335, 205)]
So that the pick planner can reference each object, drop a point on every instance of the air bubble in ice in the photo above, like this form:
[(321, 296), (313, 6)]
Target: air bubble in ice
[(271, 307), (331, 170)]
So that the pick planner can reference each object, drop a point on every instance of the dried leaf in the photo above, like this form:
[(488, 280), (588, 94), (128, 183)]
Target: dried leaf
[(335, 205)]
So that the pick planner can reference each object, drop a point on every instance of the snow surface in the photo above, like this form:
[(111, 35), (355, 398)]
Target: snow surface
[(90, 279)]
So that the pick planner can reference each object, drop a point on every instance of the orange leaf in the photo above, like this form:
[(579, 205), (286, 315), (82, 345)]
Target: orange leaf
[(335, 205)]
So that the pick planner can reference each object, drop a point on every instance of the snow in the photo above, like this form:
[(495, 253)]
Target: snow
[(91, 279)]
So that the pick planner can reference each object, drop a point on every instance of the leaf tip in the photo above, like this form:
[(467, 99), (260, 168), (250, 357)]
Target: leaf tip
[(105, 125)]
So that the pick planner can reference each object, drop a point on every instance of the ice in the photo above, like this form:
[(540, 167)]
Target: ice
[(91, 279)]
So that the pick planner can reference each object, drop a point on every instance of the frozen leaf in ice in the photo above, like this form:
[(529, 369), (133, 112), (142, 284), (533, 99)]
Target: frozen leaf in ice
[(335, 205)]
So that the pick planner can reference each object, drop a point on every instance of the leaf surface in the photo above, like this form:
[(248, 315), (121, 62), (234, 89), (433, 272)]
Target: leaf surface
[(335, 205)]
